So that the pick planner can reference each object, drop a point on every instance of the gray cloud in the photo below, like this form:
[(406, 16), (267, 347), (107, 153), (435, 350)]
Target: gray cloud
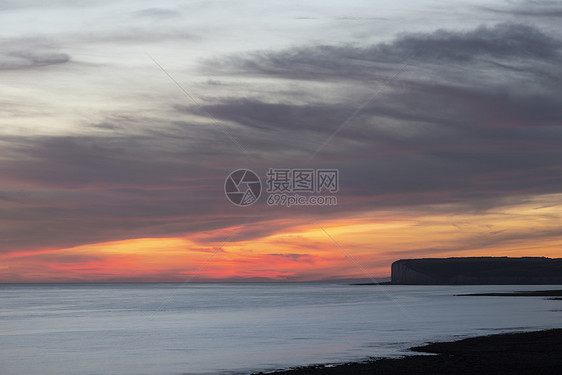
[(26, 4), (529, 8), (489, 130), (157, 13), (133, 35), (29, 53), (502, 41)]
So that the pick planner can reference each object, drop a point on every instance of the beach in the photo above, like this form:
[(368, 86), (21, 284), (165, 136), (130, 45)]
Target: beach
[(535, 352)]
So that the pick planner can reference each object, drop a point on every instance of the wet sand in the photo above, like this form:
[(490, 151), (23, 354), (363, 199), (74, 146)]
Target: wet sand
[(514, 353)]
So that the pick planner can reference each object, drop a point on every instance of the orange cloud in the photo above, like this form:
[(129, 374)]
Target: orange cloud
[(356, 247)]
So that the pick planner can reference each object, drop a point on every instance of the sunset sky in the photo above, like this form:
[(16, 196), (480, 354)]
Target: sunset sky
[(121, 120)]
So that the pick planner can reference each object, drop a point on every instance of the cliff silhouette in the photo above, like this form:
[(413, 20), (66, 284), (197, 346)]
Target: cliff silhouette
[(477, 271)]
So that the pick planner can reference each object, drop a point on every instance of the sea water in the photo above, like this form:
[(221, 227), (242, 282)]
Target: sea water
[(232, 328)]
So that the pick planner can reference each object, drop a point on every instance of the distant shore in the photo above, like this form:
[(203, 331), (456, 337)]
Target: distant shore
[(510, 353), (532, 293)]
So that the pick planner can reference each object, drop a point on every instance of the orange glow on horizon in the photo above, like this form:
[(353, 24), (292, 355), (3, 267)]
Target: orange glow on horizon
[(302, 252)]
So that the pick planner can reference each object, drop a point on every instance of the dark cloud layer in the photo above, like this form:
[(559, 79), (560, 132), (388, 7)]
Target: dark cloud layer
[(503, 41), (474, 119)]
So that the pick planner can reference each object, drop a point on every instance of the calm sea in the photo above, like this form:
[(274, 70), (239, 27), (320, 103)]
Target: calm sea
[(165, 329)]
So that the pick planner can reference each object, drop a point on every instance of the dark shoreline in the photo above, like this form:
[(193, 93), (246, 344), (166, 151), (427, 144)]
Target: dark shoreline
[(532, 293), (535, 352)]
